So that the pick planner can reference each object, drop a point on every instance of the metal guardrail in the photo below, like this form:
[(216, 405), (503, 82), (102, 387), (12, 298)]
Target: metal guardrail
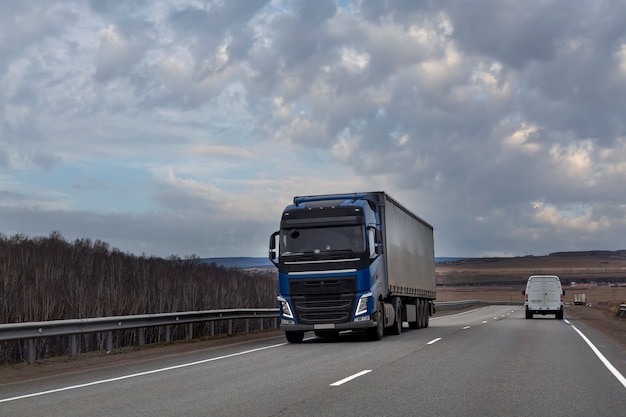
[(30, 331), (33, 330)]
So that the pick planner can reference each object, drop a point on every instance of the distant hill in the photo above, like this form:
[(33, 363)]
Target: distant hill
[(240, 262), (251, 262)]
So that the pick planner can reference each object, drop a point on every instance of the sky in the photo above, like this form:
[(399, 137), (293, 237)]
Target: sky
[(183, 128)]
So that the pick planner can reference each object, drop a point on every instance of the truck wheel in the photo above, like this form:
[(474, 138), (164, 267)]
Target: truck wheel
[(423, 313), (294, 337), (419, 306), (397, 309), (426, 314), (416, 324), (376, 333)]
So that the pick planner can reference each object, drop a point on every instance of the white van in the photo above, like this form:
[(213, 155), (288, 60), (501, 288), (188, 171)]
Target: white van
[(544, 295)]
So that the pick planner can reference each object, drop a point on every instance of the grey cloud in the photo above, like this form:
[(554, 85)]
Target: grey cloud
[(443, 87)]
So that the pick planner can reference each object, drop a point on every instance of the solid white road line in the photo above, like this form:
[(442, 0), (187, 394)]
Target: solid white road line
[(153, 371), (350, 378), (600, 356)]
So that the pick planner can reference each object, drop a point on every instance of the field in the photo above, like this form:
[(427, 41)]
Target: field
[(595, 295), (587, 267)]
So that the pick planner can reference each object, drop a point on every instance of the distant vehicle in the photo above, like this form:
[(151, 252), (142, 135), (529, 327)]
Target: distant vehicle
[(352, 262), (579, 299), (572, 284), (544, 295)]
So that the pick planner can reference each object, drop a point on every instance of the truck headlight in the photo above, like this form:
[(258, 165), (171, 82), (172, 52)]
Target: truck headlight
[(361, 307), (285, 308)]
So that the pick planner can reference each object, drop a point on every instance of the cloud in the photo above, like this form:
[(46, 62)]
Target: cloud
[(185, 127)]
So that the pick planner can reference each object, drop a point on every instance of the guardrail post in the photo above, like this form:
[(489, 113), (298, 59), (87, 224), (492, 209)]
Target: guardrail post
[(247, 326), (212, 328), (73, 347), (109, 341), (30, 351), (230, 326), (168, 334), (261, 323), (190, 331), (141, 337)]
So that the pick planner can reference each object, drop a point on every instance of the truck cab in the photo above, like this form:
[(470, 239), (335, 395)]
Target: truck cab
[(327, 252)]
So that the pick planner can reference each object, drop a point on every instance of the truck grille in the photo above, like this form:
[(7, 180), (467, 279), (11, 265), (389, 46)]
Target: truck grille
[(326, 300)]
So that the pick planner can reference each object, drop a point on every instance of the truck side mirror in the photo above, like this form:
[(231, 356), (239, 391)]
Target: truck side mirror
[(272, 251), (378, 238)]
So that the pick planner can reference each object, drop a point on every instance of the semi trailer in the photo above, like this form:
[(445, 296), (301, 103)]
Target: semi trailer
[(352, 262)]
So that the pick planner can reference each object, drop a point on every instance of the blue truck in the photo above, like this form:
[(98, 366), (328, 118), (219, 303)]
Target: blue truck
[(357, 262)]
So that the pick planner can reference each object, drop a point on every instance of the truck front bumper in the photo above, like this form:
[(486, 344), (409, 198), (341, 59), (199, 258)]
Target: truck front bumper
[(353, 325)]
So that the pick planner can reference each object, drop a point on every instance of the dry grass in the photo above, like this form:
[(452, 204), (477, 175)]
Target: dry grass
[(585, 268)]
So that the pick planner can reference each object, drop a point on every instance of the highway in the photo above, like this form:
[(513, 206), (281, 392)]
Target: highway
[(486, 362)]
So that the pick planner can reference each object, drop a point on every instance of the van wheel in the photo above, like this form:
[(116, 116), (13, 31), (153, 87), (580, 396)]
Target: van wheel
[(529, 315), (559, 315)]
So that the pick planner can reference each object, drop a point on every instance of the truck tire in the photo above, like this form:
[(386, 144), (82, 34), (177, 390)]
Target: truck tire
[(426, 313), (423, 323), (396, 329), (419, 311), (294, 337), (415, 324), (377, 333)]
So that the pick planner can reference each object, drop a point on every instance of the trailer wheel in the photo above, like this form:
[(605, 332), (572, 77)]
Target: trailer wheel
[(418, 314), (377, 333), (426, 313), (424, 322), (397, 324), (416, 324), (294, 337)]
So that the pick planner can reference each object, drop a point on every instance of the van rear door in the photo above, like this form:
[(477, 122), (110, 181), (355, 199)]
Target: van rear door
[(552, 293), (535, 294)]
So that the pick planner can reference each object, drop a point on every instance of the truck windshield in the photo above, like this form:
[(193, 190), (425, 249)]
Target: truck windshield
[(322, 239)]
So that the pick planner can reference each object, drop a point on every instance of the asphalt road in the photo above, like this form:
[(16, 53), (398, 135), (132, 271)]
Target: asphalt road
[(486, 362)]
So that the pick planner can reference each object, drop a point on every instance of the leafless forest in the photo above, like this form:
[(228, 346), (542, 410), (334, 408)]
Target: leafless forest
[(49, 278)]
